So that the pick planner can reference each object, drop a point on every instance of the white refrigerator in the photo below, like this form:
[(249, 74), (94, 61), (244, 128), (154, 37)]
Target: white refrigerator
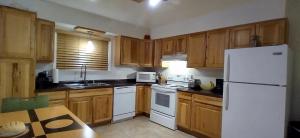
[(255, 95)]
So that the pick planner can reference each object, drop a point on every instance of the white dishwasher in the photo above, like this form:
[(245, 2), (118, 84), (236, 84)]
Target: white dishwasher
[(124, 103)]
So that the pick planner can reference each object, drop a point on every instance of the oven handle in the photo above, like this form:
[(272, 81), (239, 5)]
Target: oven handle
[(161, 91)]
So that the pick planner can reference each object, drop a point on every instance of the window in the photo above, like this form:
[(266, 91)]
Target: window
[(74, 51)]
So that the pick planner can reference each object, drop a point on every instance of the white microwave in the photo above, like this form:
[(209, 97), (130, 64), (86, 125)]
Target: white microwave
[(146, 77)]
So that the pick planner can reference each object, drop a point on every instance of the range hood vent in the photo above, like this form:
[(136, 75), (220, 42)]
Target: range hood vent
[(177, 57)]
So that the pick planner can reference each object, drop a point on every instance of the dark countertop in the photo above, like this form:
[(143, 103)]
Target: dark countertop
[(112, 83), (201, 92)]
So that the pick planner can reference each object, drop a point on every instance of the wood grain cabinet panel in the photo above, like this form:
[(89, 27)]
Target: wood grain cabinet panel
[(16, 78), (140, 100), (272, 32), (206, 120), (82, 108), (129, 51), (241, 36), (17, 32), (146, 53), (147, 99), (183, 118), (157, 53), (196, 50), (102, 108), (56, 98), (180, 44), (45, 40), (217, 42), (168, 46)]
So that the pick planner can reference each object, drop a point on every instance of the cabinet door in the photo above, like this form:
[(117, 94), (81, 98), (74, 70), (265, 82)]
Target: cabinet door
[(82, 108), (129, 51), (157, 53), (17, 30), (168, 47), (217, 42), (206, 120), (272, 32), (45, 40), (147, 99), (181, 44), (146, 54), (196, 50), (16, 78), (240, 37), (102, 108), (140, 94), (183, 118)]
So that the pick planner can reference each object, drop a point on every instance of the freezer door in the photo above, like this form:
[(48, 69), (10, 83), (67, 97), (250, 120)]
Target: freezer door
[(262, 65), (253, 111)]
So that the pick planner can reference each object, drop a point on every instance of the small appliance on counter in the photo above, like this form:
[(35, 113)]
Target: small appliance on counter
[(146, 77), (43, 80), (219, 86)]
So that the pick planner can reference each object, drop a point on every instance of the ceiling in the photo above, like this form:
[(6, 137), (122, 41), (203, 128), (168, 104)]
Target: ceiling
[(141, 14)]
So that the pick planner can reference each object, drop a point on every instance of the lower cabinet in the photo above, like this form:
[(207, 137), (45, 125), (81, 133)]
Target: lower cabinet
[(56, 98), (102, 111), (143, 99), (92, 106), (200, 114), (82, 108)]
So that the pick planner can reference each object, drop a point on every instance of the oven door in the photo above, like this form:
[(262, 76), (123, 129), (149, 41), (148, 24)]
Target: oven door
[(163, 101)]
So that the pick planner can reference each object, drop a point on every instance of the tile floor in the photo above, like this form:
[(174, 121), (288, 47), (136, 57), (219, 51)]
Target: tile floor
[(139, 127)]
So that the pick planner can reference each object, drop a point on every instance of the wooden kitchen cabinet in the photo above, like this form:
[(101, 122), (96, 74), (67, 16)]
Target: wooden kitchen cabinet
[(241, 36), (92, 105), (180, 43), (45, 40), (196, 50), (17, 33), (102, 108), (129, 51), (157, 53), (16, 78), (217, 42), (272, 32), (146, 53), (184, 108), (143, 99), (56, 98), (82, 108), (168, 46)]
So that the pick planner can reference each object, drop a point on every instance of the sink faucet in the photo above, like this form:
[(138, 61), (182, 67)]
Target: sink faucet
[(83, 73)]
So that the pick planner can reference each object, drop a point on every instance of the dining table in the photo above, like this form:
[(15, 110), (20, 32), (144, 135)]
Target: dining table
[(49, 122)]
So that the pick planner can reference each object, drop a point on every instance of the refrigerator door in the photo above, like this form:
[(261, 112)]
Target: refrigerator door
[(261, 65), (253, 111)]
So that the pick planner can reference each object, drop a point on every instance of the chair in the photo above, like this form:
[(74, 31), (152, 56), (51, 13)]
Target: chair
[(12, 104)]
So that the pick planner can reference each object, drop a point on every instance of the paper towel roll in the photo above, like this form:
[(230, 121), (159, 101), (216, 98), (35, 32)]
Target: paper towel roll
[(55, 76)]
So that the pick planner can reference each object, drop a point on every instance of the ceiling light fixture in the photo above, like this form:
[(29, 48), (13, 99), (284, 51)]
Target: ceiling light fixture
[(154, 3)]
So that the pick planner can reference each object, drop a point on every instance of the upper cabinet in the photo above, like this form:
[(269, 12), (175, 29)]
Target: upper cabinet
[(17, 33), (45, 40), (272, 32), (168, 46), (217, 42), (129, 50), (146, 53), (196, 50), (157, 53), (241, 36), (180, 43)]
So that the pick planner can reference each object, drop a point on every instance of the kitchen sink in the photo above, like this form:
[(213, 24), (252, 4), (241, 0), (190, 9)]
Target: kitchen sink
[(88, 85)]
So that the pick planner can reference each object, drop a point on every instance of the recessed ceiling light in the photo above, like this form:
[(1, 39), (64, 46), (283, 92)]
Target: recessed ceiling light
[(154, 3)]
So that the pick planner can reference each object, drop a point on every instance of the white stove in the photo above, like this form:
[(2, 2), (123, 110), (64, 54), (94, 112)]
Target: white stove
[(163, 103)]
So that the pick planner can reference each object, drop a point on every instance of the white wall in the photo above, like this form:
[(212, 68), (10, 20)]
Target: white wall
[(293, 10), (57, 13), (252, 11)]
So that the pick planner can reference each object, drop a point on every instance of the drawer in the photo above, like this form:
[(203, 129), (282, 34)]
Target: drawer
[(57, 103), (184, 95), (207, 100), (90, 92), (58, 95)]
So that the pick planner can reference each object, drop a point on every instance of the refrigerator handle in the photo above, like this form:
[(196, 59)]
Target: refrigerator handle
[(226, 97), (227, 68)]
